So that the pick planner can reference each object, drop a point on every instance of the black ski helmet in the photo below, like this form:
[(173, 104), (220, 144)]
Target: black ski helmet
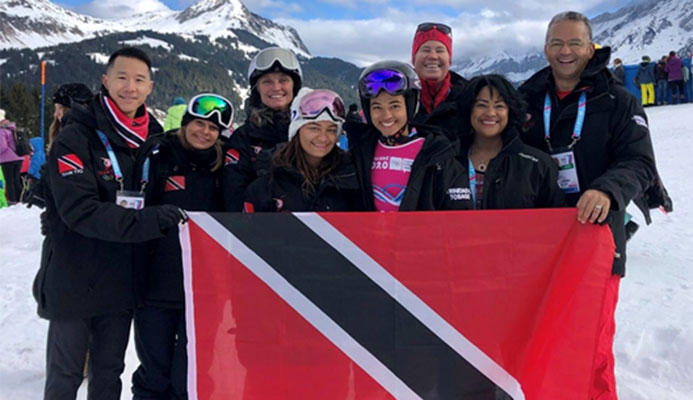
[(411, 88), (70, 93), (275, 59)]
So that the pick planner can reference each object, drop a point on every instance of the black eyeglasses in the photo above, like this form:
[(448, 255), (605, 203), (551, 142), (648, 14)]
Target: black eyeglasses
[(427, 26)]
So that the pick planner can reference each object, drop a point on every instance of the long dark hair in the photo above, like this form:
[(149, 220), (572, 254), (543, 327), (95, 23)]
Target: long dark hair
[(516, 105), (293, 156)]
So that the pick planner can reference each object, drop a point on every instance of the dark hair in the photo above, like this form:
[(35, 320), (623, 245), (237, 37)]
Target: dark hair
[(672, 53), (293, 156), (132, 52), (570, 16), (516, 105)]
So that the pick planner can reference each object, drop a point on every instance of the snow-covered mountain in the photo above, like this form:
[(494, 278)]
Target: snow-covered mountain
[(652, 28), (39, 23)]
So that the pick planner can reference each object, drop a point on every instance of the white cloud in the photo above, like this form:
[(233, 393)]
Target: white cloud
[(112, 9), (366, 41), (511, 27)]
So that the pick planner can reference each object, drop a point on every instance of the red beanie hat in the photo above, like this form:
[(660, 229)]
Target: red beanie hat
[(422, 37)]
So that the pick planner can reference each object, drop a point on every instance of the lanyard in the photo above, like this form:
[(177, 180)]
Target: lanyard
[(472, 178), (579, 120), (116, 167)]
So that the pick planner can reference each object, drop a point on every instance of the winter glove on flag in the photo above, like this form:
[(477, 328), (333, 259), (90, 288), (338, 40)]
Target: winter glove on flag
[(170, 216)]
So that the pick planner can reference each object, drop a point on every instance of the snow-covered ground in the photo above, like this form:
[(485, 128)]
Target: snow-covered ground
[(654, 339)]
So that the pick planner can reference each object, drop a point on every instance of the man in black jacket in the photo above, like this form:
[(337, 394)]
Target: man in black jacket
[(96, 226), (598, 133)]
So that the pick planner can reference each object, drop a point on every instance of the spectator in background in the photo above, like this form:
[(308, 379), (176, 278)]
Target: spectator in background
[(9, 160), (687, 82), (645, 79), (674, 70), (661, 77), (441, 88), (174, 114), (619, 71)]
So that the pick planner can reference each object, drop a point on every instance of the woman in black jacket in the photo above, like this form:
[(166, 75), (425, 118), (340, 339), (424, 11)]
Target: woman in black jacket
[(185, 172), (401, 166), (275, 78), (500, 170), (310, 173)]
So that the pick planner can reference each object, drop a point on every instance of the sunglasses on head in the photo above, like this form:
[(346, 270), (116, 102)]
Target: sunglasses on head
[(206, 104), (427, 26), (317, 101)]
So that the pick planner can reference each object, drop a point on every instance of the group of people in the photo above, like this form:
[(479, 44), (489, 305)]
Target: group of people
[(668, 78), (116, 187)]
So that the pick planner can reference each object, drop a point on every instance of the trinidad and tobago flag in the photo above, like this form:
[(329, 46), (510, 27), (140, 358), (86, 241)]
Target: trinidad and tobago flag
[(69, 163), (429, 305), (231, 157), (176, 182)]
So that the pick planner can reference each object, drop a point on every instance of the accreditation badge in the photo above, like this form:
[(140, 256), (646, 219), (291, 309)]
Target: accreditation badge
[(130, 199), (567, 172)]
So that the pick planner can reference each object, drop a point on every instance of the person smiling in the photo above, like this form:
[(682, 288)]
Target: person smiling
[(502, 171), (95, 247), (441, 88), (185, 172), (309, 173), (401, 166), (275, 78)]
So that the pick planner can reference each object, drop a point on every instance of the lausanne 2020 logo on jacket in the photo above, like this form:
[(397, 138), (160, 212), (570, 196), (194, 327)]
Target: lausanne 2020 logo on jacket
[(70, 164)]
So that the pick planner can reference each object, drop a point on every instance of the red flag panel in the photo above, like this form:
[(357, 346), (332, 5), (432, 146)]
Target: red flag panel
[(525, 286)]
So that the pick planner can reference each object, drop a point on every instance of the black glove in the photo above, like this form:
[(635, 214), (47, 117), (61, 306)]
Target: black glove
[(44, 223), (169, 216)]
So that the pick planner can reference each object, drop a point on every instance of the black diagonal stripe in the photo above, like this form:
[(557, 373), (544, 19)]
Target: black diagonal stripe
[(371, 316), (174, 183), (70, 162)]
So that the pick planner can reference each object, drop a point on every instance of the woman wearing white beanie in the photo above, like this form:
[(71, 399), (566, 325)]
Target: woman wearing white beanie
[(309, 173)]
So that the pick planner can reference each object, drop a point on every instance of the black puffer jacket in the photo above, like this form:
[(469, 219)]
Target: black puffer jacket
[(446, 116), (181, 177), (95, 248), (614, 154), (520, 176), (248, 154), (281, 190), (436, 175)]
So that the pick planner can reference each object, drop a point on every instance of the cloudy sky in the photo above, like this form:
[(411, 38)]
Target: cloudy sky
[(364, 31)]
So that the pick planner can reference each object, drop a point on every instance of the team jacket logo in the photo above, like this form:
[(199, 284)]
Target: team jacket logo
[(231, 157), (174, 183), (70, 164)]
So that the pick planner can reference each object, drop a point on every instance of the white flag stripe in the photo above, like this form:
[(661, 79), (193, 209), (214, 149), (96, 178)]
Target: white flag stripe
[(316, 317), (413, 304), (189, 311)]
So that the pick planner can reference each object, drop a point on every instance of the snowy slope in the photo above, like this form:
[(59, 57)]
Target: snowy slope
[(653, 28), (39, 23), (654, 339)]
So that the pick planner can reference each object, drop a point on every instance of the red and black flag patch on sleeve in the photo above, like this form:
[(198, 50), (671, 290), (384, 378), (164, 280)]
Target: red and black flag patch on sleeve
[(70, 164), (173, 183), (231, 157)]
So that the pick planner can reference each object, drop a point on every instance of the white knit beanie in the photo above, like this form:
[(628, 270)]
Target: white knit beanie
[(2, 114), (297, 121)]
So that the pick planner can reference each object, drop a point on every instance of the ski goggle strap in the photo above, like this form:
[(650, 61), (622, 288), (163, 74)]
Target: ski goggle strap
[(266, 58), (206, 104), (391, 81), (427, 26), (317, 101)]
